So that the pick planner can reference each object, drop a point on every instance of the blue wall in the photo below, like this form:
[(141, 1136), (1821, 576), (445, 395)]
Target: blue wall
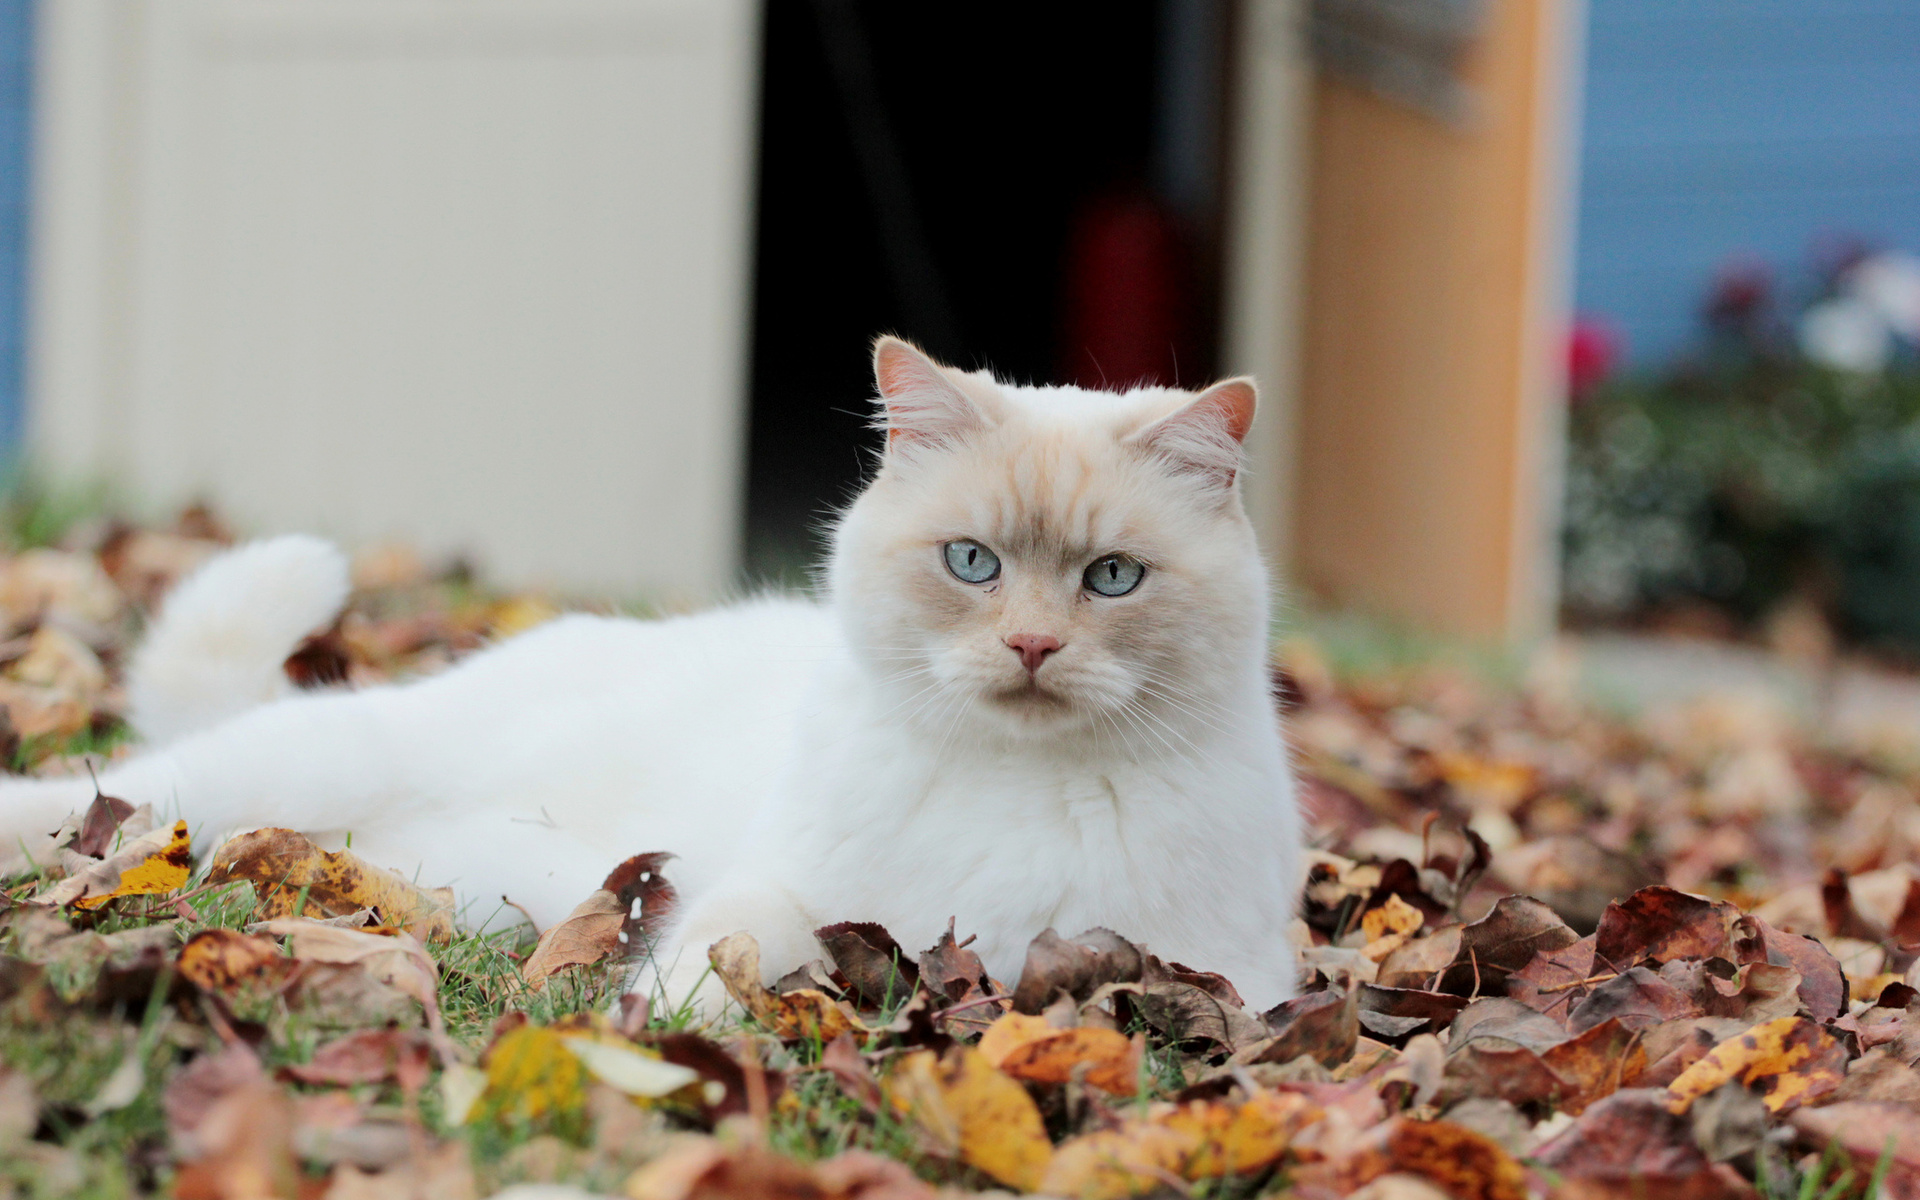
[(1717, 127), (16, 75)]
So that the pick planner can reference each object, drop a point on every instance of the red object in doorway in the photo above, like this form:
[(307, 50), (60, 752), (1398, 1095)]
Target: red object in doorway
[(1126, 311)]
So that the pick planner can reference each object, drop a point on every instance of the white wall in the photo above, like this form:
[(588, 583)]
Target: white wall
[(467, 272)]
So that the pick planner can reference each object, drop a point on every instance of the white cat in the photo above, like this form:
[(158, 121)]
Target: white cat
[(1036, 694)]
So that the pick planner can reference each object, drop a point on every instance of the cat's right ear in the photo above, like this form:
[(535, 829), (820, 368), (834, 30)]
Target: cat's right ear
[(921, 405)]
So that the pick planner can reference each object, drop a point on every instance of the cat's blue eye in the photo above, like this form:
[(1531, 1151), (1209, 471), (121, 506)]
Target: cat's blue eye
[(971, 562), (1114, 575)]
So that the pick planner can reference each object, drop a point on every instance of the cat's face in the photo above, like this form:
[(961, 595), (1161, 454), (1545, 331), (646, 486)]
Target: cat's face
[(1046, 560)]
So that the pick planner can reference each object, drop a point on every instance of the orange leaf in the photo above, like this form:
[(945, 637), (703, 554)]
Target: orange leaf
[(1030, 1049)]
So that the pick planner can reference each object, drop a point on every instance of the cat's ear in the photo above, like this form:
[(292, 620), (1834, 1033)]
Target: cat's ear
[(921, 404), (1203, 436)]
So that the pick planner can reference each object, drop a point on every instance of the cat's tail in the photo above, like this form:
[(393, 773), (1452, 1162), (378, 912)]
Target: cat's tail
[(221, 641)]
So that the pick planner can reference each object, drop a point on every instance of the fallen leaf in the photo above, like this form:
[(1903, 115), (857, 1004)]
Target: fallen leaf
[(1631, 1144), (1502, 942), (1792, 1059), (866, 954), (101, 821), (534, 1081), (974, 1113), (289, 872), (1396, 916), (391, 957), (805, 1013), (223, 960), (246, 1148), (632, 1070), (1662, 923), (1462, 1163), (1195, 1006), (590, 933), (1030, 1049), (367, 1056), (1323, 1025), (704, 1169), (1823, 985), (1078, 967), (155, 862)]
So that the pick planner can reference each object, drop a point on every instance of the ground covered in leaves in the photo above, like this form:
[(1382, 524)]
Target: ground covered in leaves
[(1546, 951)]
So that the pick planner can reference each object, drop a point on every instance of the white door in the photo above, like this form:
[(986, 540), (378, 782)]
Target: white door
[(471, 273)]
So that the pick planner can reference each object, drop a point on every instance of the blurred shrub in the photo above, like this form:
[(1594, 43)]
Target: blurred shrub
[(1745, 479)]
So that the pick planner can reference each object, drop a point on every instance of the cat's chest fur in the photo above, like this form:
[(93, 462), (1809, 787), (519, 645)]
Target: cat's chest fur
[(880, 822)]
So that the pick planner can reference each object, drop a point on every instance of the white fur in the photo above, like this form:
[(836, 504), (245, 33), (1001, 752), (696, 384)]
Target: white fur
[(881, 756), (217, 646)]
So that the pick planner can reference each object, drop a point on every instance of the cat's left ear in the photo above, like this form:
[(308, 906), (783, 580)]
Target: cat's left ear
[(1204, 435)]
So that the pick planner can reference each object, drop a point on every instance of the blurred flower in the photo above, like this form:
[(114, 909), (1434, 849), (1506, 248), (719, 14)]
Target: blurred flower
[(1848, 334), (1593, 349), (1742, 293), (1890, 284)]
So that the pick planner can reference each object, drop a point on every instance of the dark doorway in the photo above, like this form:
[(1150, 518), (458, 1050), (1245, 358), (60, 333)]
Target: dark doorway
[(1030, 187)]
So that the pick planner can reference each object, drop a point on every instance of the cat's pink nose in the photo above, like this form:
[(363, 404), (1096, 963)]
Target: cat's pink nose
[(1033, 648)]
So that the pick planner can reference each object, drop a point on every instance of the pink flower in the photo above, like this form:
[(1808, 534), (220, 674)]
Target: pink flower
[(1593, 349)]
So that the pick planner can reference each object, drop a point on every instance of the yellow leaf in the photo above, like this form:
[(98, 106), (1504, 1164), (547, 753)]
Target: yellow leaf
[(1121, 1162), (969, 1109), (1395, 916), (1791, 1059), (151, 864), (1009, 1032), (289, 872), (1199, 1140), (533, 1078), (1236, 1139), (1028, 1048), (520, 614)]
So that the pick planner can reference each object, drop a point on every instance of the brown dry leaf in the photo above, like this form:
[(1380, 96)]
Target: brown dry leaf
[(1663, 924), (1866, 1131), (805, 1013), (590, 933), (223, 960), (442, 1172), (1502, 942), (102, 820), (392, 958), (151, 864), (1823, 986), (1030, 1049), (209, 1078), (705, 1169), (971, 1111), (1324, 1025), (246, 1144), (1188, 1005), (287, 870), (876, 966), (1079, 967), (1792, 1059), (368, 1056), (1420, 962), (1630, 1145)]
